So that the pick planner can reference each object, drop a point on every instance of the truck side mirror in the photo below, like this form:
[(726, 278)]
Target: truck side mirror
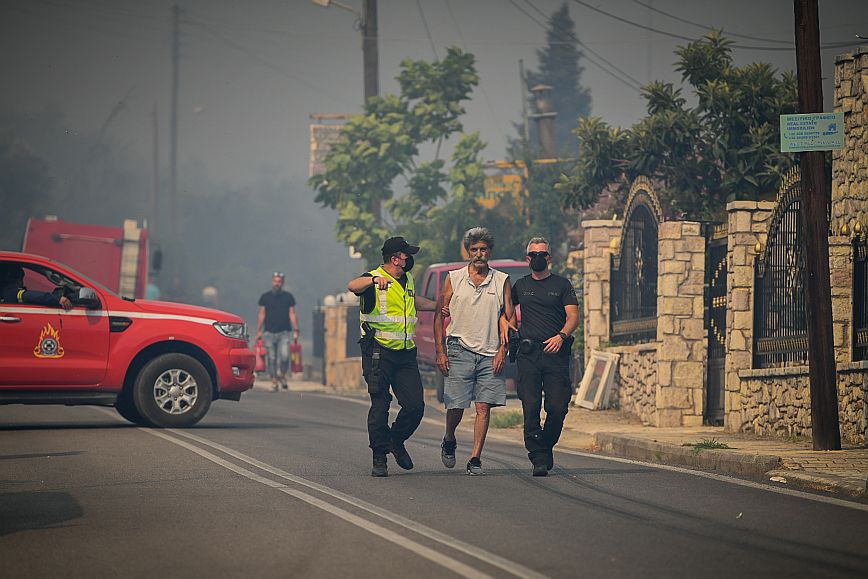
[(88, 298), (157, 261)]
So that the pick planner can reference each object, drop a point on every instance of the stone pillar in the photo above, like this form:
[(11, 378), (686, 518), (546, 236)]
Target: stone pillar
[(748, 223), (841, 274), (340, 371), (601, 238), (681, 330), (850, 164)]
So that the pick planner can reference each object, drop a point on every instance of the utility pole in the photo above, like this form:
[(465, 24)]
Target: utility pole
[(825, 430), (173, 126), (371, 58), (545, 120), (524, 102), (155, 189)]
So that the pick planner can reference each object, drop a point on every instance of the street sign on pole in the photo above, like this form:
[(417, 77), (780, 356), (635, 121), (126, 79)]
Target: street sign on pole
[(812, 132)]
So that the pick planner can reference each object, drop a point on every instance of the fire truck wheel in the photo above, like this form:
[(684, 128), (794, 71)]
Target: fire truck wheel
[(127, 409), (172, 391)]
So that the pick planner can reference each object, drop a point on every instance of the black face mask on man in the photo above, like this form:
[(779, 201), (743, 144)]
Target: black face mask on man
[(538, 263), (408, 263)]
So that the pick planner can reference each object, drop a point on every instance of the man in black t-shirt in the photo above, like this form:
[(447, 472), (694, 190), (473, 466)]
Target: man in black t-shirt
[(277, 317), (549, 316)]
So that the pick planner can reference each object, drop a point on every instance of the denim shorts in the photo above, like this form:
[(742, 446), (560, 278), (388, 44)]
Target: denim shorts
[(471, 375)]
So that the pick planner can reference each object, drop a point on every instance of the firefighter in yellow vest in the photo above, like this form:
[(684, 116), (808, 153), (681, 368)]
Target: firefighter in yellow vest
[(388, 303)]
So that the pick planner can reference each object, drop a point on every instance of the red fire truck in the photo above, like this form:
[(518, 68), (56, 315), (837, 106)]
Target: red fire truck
[(116, 257)]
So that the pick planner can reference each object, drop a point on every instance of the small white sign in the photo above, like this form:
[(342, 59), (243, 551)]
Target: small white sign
[(812, 132)]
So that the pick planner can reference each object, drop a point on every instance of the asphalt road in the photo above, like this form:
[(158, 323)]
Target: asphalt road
[(279, 485)]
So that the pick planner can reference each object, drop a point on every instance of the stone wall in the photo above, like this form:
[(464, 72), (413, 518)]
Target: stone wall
[(777, 401), (681, 333), (635, 387), (850, 164), (599, 245), (748, 224)]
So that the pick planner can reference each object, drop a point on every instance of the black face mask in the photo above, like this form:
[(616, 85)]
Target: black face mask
[(538, 263), (408, 263)]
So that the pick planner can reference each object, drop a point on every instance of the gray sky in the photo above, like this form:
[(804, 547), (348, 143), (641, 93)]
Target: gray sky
[(253, 70)]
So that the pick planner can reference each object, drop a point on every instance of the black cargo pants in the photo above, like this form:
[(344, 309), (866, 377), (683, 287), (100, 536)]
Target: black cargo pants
[(398, 369), (543, 374)]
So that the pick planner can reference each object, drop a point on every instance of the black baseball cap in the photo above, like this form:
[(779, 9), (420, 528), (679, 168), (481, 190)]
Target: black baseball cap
[(395, 245)]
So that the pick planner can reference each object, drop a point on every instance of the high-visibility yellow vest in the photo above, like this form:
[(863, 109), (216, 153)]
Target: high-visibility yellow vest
[(394, 313)]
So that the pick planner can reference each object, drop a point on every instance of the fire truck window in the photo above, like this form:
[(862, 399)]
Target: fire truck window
[(36, 281)]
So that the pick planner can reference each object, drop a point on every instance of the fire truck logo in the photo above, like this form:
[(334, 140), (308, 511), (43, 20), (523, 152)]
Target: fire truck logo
[(49, 344)]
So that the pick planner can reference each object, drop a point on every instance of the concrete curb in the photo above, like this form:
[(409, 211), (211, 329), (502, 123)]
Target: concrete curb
[(724, 461), (821, 481)]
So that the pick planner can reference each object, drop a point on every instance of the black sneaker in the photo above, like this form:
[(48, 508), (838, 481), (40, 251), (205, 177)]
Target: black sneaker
[(380, 467), (540, 469), (402, 457), (447, 453), (474, 467), (550, 460)]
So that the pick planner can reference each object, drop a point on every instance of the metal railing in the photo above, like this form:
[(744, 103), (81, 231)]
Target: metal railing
[(860, 298), (634, 280)]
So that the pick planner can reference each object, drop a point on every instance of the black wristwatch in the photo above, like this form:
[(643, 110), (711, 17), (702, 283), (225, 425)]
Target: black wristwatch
[(563, 336)]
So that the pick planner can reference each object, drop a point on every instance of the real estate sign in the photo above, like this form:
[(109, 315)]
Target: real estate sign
[(812, 132)]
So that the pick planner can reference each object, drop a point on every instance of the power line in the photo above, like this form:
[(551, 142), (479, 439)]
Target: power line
[(461, 40), (264, 62), (589, 49), (591, 60), (706, 27), (689, 39), (427, 30)]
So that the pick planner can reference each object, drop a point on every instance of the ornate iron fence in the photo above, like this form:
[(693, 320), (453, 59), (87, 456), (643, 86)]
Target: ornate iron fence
[(715, 321), (634, 269), (860, 298), (780, 324)]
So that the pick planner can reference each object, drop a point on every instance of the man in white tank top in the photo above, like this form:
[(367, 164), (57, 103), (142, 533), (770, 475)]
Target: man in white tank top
[(472, 353)]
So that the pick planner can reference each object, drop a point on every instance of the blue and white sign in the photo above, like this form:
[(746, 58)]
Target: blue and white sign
[(812, 132)]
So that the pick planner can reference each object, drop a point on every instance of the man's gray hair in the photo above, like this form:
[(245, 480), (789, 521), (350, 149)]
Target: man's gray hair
[(477, 234), (539, 240)]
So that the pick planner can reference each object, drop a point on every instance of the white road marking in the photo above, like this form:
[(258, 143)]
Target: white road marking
[(438, 558), (482, 555), (724, 478), (718, 477), (451, 542)]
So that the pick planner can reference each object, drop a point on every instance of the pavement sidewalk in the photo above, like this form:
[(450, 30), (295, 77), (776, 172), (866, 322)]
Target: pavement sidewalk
[(783, 462)]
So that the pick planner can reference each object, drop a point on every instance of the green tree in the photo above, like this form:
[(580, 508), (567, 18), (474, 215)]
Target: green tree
[(724, 148), (380, 150), (560, 67)]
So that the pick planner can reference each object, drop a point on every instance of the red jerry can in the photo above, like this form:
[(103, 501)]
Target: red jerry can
[(259, 350), (295, 358)]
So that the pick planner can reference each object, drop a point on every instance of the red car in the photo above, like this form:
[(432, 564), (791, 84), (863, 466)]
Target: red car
[(158, 363), (429, 286)]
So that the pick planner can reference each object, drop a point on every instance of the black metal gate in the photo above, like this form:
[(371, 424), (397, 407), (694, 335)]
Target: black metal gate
[(634, 276), (715, 321), (860, 298), (780, 323)]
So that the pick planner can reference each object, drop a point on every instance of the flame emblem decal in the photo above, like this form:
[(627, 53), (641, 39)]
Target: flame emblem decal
[(49, 344)]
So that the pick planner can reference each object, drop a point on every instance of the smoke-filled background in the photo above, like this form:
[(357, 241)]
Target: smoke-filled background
[(86, 100)]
